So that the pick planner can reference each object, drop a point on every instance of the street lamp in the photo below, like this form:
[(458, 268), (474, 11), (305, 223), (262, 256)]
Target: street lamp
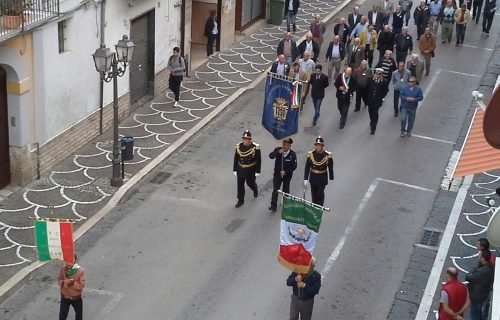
[(104, 60)]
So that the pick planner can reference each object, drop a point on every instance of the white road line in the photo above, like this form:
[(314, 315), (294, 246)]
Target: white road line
[(437, 268), (406, 185), (432, 139), (336, 251), (462, 73), (476, 47), (428, 88)]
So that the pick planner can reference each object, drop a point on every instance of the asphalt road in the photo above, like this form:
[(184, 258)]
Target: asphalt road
[(180, 250)]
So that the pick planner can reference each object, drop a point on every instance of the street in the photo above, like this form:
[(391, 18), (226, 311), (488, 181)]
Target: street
[(180, 250)]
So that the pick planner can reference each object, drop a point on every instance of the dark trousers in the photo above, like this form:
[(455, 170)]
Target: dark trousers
[(460, 33), (373, 112), (210, 44), (304, 308), (249, 178), (487, 21), (318, 194), (401, 56), (174, 83), (277, 180), (64, 308), (396, 101), (343, 105), (407, 17), (369, 55), (360, 94), (476, 9), (317, 107), (420, 30)]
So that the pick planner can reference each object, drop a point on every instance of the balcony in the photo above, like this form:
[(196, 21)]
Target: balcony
[(17, 16)]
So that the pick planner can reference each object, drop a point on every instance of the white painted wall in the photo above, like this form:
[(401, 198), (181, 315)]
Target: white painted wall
[(67, 85)]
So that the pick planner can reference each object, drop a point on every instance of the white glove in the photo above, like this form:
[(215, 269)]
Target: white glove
[(305, 183), (235, 174), (257, 174)]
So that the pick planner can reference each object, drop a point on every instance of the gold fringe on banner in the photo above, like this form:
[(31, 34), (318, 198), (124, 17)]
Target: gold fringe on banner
[(286, 78)]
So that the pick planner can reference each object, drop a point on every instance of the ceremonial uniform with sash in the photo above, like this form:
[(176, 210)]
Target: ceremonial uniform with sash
[(318, 170), (246, 166), (346, 86)]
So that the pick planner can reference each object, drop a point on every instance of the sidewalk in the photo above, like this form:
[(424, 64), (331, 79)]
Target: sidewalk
[(78, 188)]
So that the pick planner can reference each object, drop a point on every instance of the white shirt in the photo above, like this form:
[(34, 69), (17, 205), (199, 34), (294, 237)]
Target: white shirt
[(368, 37), (374, 17), (336, 51), (215, 30), (281, 69), (309, 47), (290, 5)]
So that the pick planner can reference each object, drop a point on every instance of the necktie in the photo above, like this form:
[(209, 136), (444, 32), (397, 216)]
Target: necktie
[(317, 77)]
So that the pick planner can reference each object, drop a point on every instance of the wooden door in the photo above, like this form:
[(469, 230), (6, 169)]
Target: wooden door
[(4, 132)]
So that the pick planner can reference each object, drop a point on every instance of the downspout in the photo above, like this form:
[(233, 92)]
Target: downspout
[(101, 84)]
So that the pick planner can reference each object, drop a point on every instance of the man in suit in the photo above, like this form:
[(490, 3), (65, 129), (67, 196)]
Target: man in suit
[(346, 85), (281, 67), (421, 16), (291, 8), (288, 47), (334, 55), (386, 8), (317, 28), (385, 41), (375, 96), (341, 29), (406, 9), (246, 166), (353, 18), (376, 18), (310, 46), (318, 82), (355, 53), (285, 163)]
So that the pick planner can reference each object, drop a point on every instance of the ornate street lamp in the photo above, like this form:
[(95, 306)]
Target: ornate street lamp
[(104, 60)]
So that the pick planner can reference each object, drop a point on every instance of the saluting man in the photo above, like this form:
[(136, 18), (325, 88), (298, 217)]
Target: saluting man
[(285, 163), (319, 167), (246, 166)]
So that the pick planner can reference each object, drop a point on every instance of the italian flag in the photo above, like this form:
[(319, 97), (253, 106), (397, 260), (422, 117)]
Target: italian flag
[(54, 240), (296, 96), (300, 224)]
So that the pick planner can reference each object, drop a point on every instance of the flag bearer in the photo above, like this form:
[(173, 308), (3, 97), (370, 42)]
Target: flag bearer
[(319, 167), (305, 287), (246, 166), (71, 282), (285, 162)]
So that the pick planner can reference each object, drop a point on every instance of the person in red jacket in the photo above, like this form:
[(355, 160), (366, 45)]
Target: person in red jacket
[(454, 299)]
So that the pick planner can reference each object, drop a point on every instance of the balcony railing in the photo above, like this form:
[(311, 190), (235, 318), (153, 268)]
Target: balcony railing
[(17, 16)]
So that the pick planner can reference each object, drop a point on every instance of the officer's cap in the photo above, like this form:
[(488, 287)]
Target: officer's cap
[(379, 70), (319, 140), (247, 135)]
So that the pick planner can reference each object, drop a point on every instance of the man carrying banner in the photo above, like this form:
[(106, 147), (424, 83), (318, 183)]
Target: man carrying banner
[(305, 287), (299, 75), (346, 85), (285, 164), (71, 283), (319, 167), (319, 82), (246, 166)]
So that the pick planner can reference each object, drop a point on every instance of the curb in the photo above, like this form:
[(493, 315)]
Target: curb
[(15, 282)]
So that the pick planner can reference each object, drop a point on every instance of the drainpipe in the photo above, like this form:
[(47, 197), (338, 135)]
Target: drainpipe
[(101, 84)]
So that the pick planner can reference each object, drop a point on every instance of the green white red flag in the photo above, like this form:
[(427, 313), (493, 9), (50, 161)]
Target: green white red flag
[(54, 240), (300, 224), (296, 96)]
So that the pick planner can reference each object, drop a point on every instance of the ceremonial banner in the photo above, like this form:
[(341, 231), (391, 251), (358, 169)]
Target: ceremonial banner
[(54, 240), (300, 224), (281, 106)]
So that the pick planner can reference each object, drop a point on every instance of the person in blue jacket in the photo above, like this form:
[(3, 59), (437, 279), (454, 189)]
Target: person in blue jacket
[(410, 96), (305, 287), (285, 163)]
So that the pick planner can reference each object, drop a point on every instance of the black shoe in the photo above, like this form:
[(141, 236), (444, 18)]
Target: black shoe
[(356, 110), (314, 123), (238, 204), (372, 132), (273, 209), (396, 114), (427, 73), (256, 193), (294, 28), (341, 126)]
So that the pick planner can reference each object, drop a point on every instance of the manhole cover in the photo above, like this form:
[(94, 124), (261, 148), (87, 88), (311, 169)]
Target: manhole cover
[(160, 177), (430, 238)]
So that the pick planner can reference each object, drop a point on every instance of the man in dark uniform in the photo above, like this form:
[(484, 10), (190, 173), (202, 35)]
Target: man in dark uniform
[(375, 95), (246, 166), (319, 167), (285, 163)]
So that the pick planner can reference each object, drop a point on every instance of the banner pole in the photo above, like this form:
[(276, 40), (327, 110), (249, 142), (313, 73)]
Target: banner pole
[(53, 219), (304, 201), (287, 78)]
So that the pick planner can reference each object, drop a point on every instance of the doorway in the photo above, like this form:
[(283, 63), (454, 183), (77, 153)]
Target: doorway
[(248, 12), (4, 132), (142, 33)]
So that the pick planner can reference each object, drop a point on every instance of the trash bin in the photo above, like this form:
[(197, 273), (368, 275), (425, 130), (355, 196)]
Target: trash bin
[(127, 148), (276, 8)]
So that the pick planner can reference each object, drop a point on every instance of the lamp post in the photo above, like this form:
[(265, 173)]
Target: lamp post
[(106, 63)]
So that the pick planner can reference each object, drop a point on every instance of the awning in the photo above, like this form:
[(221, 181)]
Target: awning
[(476, 155)]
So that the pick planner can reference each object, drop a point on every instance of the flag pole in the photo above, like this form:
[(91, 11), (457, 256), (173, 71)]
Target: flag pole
[(53, 219), (279, 76), (317, 206)]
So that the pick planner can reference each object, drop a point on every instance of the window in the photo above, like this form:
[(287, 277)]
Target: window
[(62, 35)]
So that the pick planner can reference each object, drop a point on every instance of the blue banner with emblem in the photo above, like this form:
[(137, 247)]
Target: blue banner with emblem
[(281, 116)]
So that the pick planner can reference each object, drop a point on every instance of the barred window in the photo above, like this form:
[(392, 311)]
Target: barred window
[(62, 35)]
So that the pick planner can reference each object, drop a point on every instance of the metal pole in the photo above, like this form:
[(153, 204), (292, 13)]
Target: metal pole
[(304, 201), (116, 180), (101, 85)]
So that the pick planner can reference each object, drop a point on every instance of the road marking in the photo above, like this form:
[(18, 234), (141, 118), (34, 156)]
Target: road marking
[(476, 47), (432, 139), (406, 185), (428, 88), (336, 251), (462, 73), (434, 278)]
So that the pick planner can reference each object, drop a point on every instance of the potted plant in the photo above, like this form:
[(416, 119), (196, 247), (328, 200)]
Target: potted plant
[(12, 11)]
